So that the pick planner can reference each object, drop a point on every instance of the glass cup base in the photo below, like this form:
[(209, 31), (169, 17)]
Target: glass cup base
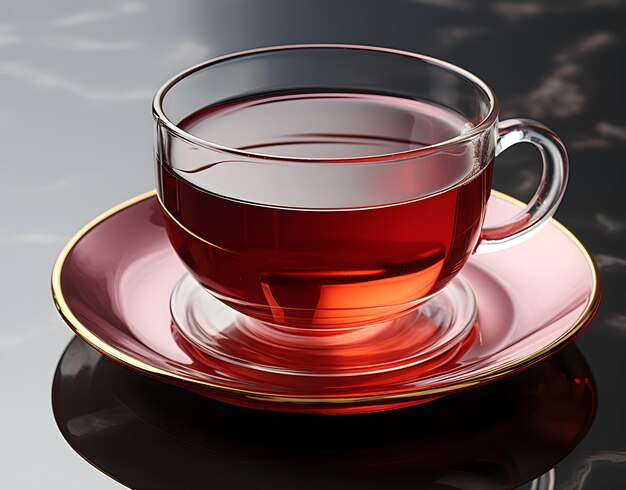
[(232, 340)]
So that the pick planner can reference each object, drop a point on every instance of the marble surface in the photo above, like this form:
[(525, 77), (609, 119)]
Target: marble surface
[(76, 81)]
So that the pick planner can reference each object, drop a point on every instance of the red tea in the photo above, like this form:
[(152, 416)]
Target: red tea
[(324, 244)]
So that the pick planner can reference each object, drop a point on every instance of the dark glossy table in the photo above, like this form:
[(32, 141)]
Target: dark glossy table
[(76, 81)]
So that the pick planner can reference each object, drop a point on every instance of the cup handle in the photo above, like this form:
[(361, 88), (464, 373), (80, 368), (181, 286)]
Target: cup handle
[(551, 187)]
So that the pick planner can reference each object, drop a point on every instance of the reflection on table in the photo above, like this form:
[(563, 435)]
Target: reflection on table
[(147, 434)]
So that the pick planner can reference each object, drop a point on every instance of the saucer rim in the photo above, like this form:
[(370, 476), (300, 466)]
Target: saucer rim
[(417, 393)]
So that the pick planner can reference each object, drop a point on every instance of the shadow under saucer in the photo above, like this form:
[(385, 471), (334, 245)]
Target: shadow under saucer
[(148, 434)]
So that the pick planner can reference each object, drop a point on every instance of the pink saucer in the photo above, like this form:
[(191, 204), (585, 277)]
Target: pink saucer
[(113, 280)]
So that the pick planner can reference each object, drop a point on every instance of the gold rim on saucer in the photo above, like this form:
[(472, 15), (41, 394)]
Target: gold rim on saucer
[(487, 376)]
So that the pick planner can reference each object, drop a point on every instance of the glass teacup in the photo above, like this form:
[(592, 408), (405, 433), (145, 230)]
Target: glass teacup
[(321, 189)]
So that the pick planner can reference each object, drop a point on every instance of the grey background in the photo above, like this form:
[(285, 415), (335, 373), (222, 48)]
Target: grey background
[(76, 80)]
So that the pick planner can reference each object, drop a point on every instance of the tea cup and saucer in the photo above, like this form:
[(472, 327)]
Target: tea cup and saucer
[(324, 238)]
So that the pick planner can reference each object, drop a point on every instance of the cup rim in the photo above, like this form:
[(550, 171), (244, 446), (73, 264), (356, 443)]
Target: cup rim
[(486, 122)]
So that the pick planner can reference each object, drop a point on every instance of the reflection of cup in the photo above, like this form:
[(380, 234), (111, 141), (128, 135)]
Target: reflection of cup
[(147, 434), (333, 186)]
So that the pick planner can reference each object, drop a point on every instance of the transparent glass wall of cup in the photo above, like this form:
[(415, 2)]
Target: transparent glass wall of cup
[(352, 217)]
